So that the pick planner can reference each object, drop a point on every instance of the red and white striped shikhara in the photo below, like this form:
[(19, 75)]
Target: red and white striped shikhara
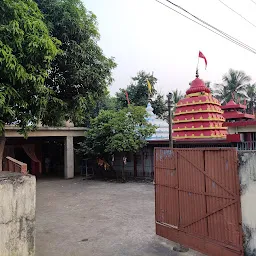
[(198, 115)]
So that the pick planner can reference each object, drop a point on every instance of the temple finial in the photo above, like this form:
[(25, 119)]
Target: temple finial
[(197, 75)]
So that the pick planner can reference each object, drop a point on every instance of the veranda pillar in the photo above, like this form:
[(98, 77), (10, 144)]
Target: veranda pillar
[(68, 157)]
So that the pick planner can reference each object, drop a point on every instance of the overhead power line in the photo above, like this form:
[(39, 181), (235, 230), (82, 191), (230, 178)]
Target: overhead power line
[(237, 13), (208, 26), (253, 1)]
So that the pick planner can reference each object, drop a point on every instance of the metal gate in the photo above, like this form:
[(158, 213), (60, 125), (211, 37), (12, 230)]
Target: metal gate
[(198, 199)]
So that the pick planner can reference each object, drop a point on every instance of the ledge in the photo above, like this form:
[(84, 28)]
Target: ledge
[(44, 131)]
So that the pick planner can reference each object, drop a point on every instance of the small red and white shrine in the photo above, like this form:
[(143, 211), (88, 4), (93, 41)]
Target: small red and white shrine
[(241, 125)]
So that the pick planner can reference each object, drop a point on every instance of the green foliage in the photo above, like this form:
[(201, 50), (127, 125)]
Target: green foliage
[(106, 102), (251, 97), (234, 83), (81, 74), (176, 96), (117, 131), (26, 53), (137, 90), (138, 94), (160, 106), (208, 84)]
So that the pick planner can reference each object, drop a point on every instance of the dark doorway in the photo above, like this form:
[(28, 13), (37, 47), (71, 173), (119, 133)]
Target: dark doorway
[(53, 158), (21, 155)]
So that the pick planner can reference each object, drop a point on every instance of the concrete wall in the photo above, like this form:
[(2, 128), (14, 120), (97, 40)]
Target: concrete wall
[(145, 164), (17, 214), (144, 160), (128, 168), (247, 173), (241, 129)]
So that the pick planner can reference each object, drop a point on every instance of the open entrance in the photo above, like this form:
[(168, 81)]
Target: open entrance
[(44, 156), (53, 158)]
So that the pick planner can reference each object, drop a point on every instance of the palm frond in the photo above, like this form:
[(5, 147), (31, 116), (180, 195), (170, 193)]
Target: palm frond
[(234, 85)]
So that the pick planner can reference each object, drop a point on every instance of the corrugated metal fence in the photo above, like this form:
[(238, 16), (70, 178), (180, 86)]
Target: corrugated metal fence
[(198, 199)]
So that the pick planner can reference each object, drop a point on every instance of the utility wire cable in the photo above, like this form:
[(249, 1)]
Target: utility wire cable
[(209, 25), (222, 34), (237, 13), (189, 18), (227, 37), (253, 1)]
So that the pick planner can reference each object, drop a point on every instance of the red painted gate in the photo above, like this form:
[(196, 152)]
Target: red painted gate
[(198, 199)]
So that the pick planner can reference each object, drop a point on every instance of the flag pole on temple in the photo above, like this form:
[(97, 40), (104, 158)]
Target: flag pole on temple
[(149, 88), (127, 98), (197, 75), (200, 55)]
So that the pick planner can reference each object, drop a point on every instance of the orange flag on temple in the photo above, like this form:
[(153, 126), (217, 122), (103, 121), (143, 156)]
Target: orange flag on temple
[(200, 55)]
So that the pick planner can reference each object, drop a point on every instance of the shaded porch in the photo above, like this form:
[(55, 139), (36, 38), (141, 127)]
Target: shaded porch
[(47, 151)]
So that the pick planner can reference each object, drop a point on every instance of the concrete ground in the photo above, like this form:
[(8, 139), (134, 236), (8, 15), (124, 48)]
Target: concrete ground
[(93, 218)]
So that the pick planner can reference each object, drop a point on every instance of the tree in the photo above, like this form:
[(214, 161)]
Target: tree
[(137, 90), (160, 107), (176, 97), (117, 131), (139, 95), (208, 84), (251, 97), (234, 85), (26, 53), (81, 74), (106, 102)]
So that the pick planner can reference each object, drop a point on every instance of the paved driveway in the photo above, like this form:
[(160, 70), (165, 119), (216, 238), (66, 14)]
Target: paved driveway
[(94, 218)]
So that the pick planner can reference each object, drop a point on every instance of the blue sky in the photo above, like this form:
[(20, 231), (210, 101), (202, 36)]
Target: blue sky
[(144, 35)]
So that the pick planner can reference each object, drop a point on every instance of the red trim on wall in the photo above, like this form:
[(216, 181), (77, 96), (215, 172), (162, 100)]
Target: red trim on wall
[(235, 115), (240, 123), (234, 137)]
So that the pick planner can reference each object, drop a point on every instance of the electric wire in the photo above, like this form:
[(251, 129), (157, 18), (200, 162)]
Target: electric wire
[(212, 28), (237, 13)]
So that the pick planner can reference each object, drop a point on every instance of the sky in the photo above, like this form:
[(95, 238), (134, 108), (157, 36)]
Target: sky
[(144, 35)]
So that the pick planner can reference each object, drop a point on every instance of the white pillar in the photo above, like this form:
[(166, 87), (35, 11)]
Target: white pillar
[(69, 157)]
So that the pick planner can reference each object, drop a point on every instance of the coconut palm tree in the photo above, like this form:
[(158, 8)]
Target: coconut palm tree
[(208, 84), (251, 97), (176, 96), (234, 86)]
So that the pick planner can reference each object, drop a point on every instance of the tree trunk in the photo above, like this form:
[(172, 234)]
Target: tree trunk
[(2, 144)]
